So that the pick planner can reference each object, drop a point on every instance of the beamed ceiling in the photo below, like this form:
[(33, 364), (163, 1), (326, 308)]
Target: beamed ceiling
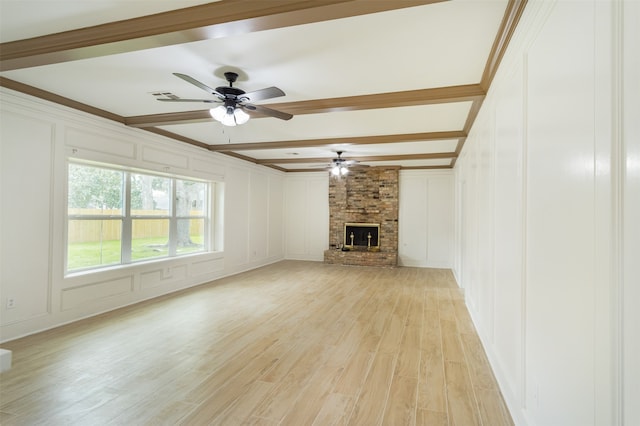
[(388, 82)]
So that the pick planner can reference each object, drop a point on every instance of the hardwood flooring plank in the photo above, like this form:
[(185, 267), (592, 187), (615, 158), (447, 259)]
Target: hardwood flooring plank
[(432, 418), (351, 343), (431, 299), (259, 421), (238, 412), (446, 310), (401, 404), (493, 410), (334, 411), (463, 319), (288, 344), (312, 398), (354, 373), (462, 404), (287, 390), (451, 344), (412, 336), (214, 400), (479, 368), (224, 372), (431, 321), (169, 395), (415, 314), (431, 379), (392, 335), (408, 363), (372, 399)]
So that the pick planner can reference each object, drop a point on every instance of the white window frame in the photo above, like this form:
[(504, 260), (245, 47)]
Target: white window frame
[(127, 218)]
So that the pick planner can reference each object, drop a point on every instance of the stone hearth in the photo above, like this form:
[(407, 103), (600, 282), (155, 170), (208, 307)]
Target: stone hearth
[(365, 195)]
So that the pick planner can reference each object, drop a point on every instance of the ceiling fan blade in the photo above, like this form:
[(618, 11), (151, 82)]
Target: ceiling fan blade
[(267, 111), (207, 101), (198, 84), (262, 94)]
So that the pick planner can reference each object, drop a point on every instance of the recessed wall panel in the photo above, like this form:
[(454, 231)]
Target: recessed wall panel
[(26, 147), (86, 140), (159, 156), (92, 293)]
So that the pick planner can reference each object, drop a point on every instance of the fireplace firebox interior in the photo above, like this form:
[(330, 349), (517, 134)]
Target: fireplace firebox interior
[(361, 234)]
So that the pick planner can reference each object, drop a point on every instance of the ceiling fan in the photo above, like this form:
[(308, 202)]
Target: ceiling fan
[(340, 166), (234, 102)]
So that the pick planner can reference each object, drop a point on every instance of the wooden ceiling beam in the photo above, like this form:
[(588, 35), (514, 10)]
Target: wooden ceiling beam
[(510, 20), (427, 167), (325, 170), (169, 118), (439, 95), (176, 137), (358, 140), (362, 159), (512, 14), (202, 22), (61, 100)]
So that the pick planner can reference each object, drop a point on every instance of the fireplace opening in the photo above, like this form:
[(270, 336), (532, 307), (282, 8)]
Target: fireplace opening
[(361, 234)]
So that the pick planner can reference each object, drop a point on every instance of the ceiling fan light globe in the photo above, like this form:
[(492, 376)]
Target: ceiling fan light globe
[(218, 112), (240, 116), (344, 171), (335, 171), (228, 120)]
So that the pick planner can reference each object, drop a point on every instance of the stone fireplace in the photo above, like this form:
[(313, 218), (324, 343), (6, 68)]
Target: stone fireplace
[(364, 203)]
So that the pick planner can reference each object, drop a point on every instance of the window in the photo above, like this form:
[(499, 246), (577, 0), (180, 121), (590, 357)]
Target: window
[(119, 217)]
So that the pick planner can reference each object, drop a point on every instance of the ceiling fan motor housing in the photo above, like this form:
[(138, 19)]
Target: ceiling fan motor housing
[(230, 91)]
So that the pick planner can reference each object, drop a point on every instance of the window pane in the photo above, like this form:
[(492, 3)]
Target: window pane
[(93, 243), (190, 236), (93, 190), (150, 195), (191, 198), (150, 238)]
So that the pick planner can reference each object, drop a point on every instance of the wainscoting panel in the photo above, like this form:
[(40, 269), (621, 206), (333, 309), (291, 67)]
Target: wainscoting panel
[(259, 216), (306, 216), (82, 139), (25, 232), (426, 233), (205, 267), (163, 276), (275, 239), (165, 158), (92, 293)]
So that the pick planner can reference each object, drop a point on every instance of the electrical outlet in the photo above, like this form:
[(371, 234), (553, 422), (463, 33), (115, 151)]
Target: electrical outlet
[(166, 272), (11, 302)]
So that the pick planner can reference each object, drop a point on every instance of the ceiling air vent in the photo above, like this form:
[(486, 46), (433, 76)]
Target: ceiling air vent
[(164, 95)]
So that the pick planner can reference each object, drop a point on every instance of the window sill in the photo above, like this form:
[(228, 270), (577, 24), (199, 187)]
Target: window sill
[(144, 265)]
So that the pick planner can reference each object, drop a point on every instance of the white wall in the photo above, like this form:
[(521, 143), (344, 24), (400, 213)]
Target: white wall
[(539, 238), (629, 296), (425, 222), (425, 217), (306, 216), (37, 138)]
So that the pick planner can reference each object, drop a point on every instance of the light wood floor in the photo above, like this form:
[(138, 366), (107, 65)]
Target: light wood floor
[(295, 343)]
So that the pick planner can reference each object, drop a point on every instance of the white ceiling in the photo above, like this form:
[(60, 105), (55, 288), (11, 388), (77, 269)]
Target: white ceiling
[(429, 46)]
